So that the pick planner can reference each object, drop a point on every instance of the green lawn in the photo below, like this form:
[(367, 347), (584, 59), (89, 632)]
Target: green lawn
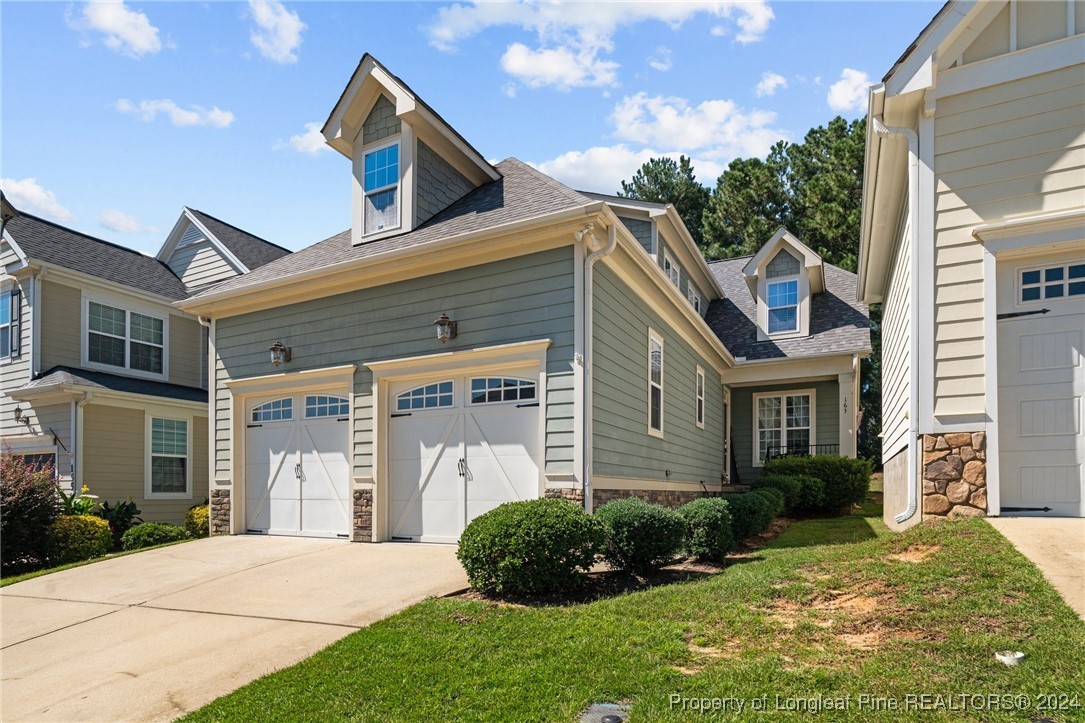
[(12, 579), (835, 607)]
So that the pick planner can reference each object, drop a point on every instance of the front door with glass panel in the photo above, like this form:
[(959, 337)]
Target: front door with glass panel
[(458, 447), (297, 466)]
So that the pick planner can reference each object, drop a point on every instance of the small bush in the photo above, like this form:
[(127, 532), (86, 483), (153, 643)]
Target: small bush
[(774, 497), (74, 538), (196, 521), (750, 514), (708, 528), (150, 534), (639, 537), (529, 547), (120, 517), (847, 480), (790, 487), (811, 494), (28, 505)]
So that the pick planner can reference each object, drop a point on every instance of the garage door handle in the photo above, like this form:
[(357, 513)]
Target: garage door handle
[(462, 467), (297, 470)]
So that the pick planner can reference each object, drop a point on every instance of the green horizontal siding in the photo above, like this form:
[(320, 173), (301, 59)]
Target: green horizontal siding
[(826, 419), (519, 299), (622, 445)]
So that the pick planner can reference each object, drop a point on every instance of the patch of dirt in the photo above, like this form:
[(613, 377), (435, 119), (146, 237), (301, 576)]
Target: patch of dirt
[(915, 553), (705, 655)]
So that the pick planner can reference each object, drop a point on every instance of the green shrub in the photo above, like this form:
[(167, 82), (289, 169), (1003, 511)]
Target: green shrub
[(639, 537), (774, 497), (28, 505), (708, 528), (750, 514), (196, 521), (73, 538), (790, 487), (120, 517), (529, 547), (811, 493), (847, 480), (150, 534)]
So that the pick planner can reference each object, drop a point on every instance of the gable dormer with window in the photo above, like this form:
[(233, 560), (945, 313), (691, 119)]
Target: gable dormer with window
[(408, 164), (782, 277)]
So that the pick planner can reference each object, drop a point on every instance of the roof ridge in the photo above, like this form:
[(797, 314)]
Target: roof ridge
[(237, 228)]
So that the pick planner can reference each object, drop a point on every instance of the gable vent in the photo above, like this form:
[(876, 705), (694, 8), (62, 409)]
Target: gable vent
[(192, 235)]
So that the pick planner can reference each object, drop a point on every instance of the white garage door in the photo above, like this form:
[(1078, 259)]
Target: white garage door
[(1041, 330), (458, 447), (297, 466)]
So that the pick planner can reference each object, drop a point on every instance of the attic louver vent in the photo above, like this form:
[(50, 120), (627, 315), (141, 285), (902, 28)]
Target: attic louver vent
[(191, 235)]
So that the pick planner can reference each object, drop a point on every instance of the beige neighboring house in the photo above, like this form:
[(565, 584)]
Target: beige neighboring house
[(101, 375), (973, 239)]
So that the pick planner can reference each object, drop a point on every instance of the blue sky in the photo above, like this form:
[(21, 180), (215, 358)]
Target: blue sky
[(114, 115)]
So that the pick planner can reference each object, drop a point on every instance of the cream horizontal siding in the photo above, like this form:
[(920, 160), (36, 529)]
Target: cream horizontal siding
[(623, 447), (7, 254), (186, 351), (1013, 149), (896, 349), (61, 311), (519, 299), (15, 371), (199, 264)]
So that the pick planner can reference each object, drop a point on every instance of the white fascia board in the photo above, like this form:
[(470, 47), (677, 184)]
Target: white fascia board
[(15, 247), (926, 46), (219, 246), (174, 237), (692, 251)]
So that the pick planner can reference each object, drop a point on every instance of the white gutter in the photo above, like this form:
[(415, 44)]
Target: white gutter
[(597, 252), (913, 397)]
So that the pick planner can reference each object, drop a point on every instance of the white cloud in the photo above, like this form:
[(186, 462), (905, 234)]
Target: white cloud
[(770, 83), (122, 222), (125, 31), (27, 195), (850, 92), (195, 115), (662, 59), (573, 38), (277, 34), (311, 141)]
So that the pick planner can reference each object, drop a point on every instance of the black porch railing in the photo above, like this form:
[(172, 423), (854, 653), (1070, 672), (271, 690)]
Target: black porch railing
[(805, 450)]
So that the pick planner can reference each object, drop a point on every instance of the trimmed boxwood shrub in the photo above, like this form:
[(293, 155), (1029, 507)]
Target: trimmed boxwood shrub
[(529, 547), (150, 534), (790, 487), (774, 497), (847, 480), (196, 521), (28, 505), (708, 528), (750, 514), (74, 538), (639, 537)]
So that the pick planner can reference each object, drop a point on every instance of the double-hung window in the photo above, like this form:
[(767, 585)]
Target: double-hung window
[(655, 384), (10, 324), (168, 458), (382, 189), (783, 306), (784, 424), (125, 339), (673, 270), (694, 298)]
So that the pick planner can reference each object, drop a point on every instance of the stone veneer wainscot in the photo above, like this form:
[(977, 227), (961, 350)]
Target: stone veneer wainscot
[(955, 474)]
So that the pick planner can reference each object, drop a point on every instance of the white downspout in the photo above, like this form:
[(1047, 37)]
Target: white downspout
[(597, 252), (212, 404), (913, 398), (77, 441)]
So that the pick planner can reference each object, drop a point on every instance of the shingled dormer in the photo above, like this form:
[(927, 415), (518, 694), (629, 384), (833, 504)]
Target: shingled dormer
[(782, 277), (408, 163)]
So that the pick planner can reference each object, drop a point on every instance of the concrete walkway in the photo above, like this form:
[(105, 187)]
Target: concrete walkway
[(1056, 545), (155, 635)]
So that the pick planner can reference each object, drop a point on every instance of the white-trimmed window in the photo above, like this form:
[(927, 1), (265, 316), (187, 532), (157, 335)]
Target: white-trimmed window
[(169, 451), (10, 323), (655, 384), (427, 396), (783, 424), (276, 410), (488, 390), (672, 269), (123, 339), (322, 405), (783, 303), (699, 408), (1052, 282), (381, 184), (694, 298)]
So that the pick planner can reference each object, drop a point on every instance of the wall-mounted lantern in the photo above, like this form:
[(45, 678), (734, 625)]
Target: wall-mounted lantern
[(279, 353), (20, 419), (446, 328)]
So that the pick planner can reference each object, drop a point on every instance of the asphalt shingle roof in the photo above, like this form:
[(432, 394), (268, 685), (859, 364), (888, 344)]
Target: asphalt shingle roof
[(249, 249), (62, 375), (54, 244), (520, 194), (837, 324)]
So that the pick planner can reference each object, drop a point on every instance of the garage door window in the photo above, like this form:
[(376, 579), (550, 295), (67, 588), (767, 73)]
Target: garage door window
[(274, 411), (427, 396), (322, 406), (487, 390), (1053, 282)]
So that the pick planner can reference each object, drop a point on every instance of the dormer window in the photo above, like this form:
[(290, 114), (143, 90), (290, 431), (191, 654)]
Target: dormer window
[(782, 277), (783, 306), (382, 188)]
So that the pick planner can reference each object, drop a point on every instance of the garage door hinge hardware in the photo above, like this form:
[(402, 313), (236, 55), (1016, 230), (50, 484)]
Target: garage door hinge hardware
[(1015, 314), (401, 414), (532, 404), (256, 532), (1026, 509), (343, 419), (250, 426), (342, 535)]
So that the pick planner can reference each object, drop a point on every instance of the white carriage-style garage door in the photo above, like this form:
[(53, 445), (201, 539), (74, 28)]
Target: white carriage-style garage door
[(1041, 379), (297, 466), (458, 447)]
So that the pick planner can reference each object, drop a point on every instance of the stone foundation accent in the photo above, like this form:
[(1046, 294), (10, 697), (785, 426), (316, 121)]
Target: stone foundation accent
[(565, 493), (667, 498), (363, 515), (219, 511), (955, 474)]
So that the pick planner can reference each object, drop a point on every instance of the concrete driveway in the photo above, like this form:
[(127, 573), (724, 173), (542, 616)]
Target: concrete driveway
[(1056, 545), (155, 635)]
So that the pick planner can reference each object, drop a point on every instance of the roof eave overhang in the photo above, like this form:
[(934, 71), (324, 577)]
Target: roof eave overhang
[(98, 392)]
